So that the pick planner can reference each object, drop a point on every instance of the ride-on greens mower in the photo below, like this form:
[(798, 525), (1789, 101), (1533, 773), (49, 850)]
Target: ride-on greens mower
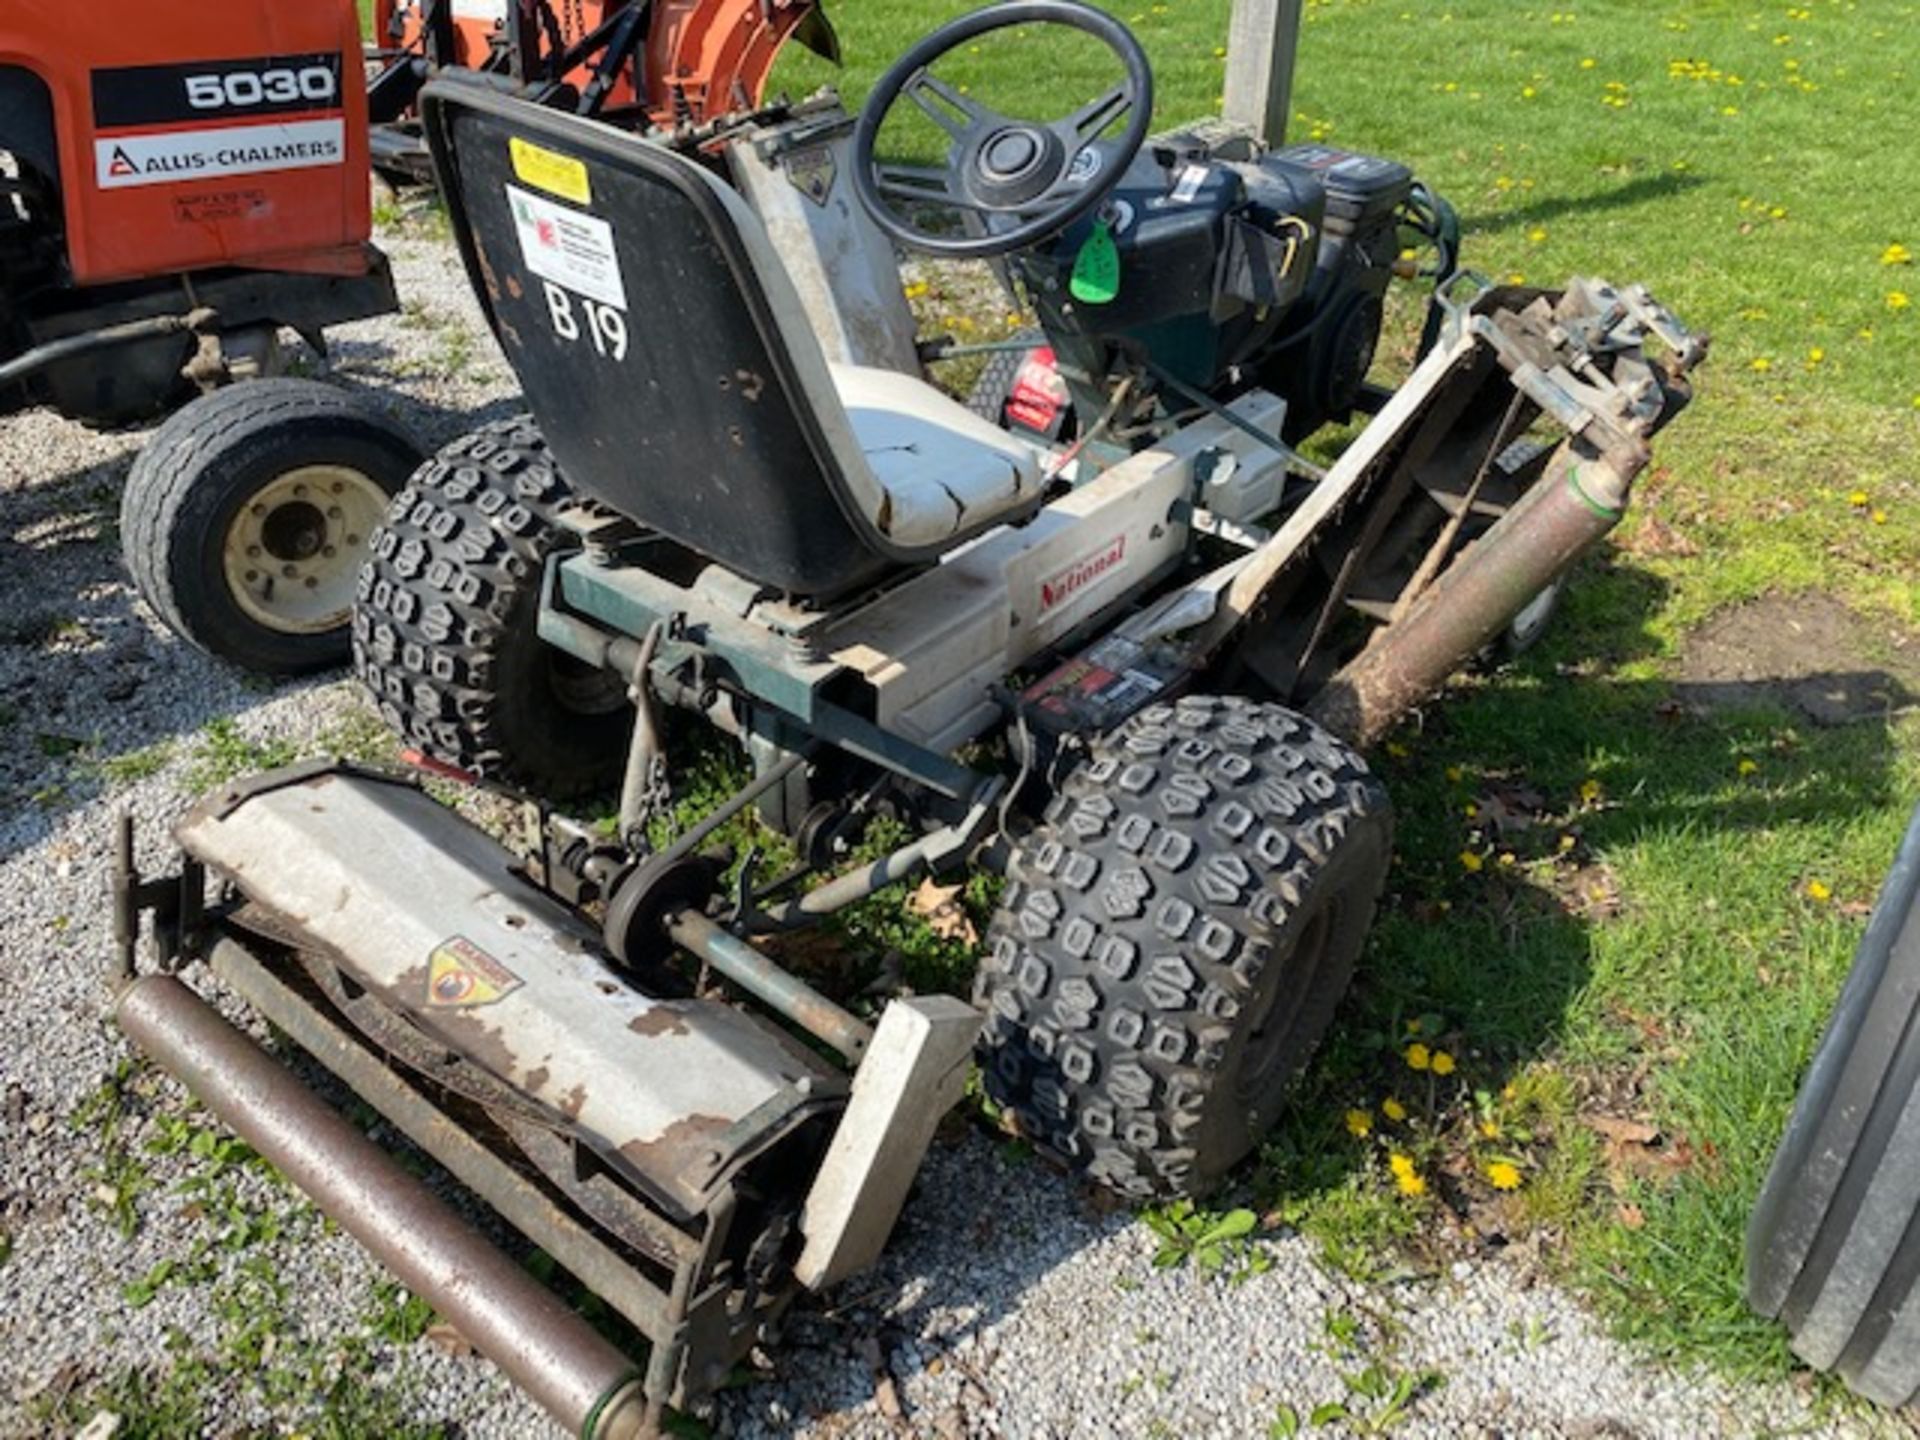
[(1142, 692)]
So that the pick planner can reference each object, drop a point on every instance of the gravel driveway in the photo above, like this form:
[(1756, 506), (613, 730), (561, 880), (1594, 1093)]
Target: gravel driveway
[(142, 1249)]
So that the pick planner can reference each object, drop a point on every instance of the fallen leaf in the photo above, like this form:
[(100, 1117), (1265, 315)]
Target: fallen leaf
[(445, 1337), (939, 905), (1631, 1216), (1624, 1132)]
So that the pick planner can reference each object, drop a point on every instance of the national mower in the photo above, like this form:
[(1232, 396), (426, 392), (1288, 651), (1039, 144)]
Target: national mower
[(1135, 675)]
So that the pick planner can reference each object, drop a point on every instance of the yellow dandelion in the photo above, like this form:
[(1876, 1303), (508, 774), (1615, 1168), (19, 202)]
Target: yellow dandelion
[(1359, 1123), (1401, 1165), (1590, 791), (1471, 862), (1527, 92), (1748, 765), (1490, 1129), (1537, 235), (1816, 356), (916, 289), (1503, 1176), (1567, 842), (1442, 1063), (1413, 1027), (1898, 300), (1819, 892), (1393, 1110), (1507, 857), (1761, 364), (1455, 774), (1896, 254), (1588, 63), (1879, 517), (1470, 810), (1858, 499), (1418, 1056), (1729, 110), (1411, 1185)]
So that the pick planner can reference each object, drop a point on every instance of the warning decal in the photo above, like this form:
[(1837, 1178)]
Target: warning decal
[(568, 247), (125, 160), (460, 976)]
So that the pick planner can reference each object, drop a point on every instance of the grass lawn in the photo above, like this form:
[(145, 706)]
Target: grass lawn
[(1621, 914)]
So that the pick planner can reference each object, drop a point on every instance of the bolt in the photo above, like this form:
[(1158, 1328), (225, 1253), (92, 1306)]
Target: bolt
[(252, 575), (334, 512), (353, 539), (253, 552), (289, 571), (259, 509), (339, 488), (299, 489), (328, 551), (312, 583)]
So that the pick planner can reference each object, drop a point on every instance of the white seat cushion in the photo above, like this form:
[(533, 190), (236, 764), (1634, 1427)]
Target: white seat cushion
[(942, 470)]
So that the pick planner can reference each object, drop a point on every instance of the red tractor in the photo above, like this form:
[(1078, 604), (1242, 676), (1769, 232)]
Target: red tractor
[(179, 183)]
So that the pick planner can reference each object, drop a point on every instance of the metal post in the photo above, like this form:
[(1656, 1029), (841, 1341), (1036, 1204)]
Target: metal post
[(1262, 39)]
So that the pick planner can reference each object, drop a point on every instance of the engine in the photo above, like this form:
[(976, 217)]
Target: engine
[(1239, 266)]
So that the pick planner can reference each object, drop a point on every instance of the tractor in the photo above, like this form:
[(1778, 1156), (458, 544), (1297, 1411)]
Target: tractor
[(1133, 676)]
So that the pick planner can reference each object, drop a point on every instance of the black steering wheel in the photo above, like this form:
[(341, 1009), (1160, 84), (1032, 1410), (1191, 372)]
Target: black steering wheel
[(1036, 178)]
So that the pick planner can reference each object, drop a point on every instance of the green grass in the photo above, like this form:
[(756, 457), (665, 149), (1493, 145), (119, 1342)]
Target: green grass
[(1750, 163)]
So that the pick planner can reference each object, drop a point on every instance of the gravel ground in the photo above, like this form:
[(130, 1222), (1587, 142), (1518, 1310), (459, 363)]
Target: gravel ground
[(1007, 1306)]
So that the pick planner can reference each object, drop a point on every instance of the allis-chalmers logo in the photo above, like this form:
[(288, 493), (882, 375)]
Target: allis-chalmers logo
[(1081, 574)]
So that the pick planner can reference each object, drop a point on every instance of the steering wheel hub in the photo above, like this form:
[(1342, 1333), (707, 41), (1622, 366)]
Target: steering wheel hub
[(1011, 154)]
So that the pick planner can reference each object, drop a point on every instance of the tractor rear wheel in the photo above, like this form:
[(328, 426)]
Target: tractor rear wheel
[(445, 631), (246, 517), (1174, 938)]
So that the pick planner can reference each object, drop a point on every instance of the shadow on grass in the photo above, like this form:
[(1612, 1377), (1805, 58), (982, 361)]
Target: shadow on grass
[(1598, 868), (1641, 190)]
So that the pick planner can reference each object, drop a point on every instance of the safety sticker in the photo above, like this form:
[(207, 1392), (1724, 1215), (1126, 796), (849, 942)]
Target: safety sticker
[(126, 160), (570, 249), (550, 171), (811, 172), (460, 976)]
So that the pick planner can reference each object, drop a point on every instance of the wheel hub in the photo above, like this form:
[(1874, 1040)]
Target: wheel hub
[(292, 552)]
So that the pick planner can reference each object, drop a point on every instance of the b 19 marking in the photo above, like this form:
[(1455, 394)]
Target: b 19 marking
[(606, 326)]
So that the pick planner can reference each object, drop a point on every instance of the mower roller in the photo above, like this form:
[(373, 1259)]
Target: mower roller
[(1135, 675)]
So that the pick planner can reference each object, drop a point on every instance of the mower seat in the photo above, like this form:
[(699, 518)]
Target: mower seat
[(670, 363)]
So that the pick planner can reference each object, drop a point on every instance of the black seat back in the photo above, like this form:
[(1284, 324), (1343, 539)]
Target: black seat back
[(633, 295)]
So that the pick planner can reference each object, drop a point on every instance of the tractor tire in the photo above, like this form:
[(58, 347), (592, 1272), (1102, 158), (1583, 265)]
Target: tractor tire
[(246, 517), (994, 385), (1174, 938), (1833, 1246), (445, 631)]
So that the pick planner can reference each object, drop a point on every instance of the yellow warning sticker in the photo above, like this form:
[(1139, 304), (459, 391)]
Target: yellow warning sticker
[(550, 171), (460, 975)]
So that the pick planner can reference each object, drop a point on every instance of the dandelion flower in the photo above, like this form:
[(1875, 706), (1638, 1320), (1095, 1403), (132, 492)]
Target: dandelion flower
[(1896, 254), (1858, 499), (1503, 1176), (1816, 356), (1418, 1056), (1393, 1110), (1898, 300), (1455, 774), (1527, 92), (1567, 842), (1442, 1063), (1588, 63), (1401, 1165), (1490, 1129), (1471, 862), (1748, 765), (1359, 1123), (1819, 892), (1879, 517), (1590, 791), (1470, 810), (1537, 235), (1761, 364)]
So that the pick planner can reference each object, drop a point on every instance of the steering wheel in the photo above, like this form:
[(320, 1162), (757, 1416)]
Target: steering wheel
[(1035, 177)]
